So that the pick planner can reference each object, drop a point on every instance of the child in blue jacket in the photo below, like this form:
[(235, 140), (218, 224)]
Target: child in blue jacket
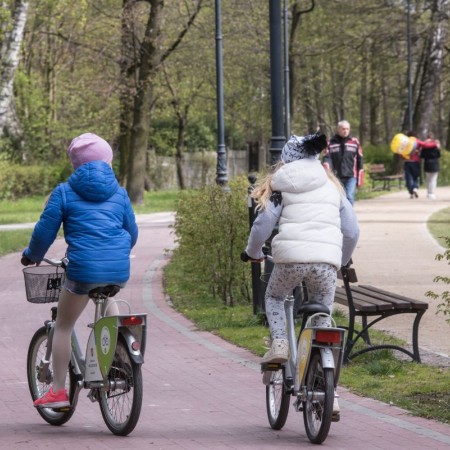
[(100, 230)]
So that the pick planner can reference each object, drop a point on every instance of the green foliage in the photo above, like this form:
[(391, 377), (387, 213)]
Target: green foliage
[(379, 154), (163, 136), (443, 307), (18, 181), (444, 168), (211, 229)]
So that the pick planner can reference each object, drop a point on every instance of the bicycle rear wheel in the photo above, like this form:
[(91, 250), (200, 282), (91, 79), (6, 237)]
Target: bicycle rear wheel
[(318, 407), (277, 400), (36, 353), (121, 404)]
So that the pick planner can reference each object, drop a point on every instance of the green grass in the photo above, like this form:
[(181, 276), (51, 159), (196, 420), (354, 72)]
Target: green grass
[(21, 211), (29, 210), (438, 225), (14, 240)]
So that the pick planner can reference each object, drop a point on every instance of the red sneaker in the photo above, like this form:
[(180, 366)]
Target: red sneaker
[(52, 399)]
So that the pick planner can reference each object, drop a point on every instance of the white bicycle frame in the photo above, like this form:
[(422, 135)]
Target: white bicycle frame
[(331, 354), (91, 369)]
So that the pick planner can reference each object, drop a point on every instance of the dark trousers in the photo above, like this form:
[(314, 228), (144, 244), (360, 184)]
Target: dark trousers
[(412, 175)]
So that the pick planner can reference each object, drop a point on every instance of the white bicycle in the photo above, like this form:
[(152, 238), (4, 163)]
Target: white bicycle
[(111, 366)]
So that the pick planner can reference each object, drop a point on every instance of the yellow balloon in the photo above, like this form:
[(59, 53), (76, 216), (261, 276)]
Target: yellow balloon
[(403, 145)]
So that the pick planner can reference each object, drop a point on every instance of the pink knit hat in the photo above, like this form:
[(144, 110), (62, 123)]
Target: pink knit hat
[(89, 147)]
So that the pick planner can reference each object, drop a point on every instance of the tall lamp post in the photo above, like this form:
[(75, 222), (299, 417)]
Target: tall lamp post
[(408, 41), (287, 101), (276, 80), (221, 168)]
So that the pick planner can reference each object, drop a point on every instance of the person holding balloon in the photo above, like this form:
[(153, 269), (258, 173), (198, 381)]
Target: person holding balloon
[(409, 147)]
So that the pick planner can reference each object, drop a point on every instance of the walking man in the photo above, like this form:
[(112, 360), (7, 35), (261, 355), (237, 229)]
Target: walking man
[(345, 158)]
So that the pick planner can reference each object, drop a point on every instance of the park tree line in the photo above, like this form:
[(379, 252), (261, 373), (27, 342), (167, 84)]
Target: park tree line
[(141, 73)]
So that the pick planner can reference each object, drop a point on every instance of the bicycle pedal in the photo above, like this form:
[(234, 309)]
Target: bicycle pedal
[(267, 375), (270, 366), (61, 409)]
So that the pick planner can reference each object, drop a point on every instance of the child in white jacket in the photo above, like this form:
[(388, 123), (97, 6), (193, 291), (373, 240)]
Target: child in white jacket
[(317, 233)]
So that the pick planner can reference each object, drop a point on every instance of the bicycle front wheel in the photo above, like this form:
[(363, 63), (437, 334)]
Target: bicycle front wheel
[(36, 353), (318, 407), (277, 400), (121, 403)]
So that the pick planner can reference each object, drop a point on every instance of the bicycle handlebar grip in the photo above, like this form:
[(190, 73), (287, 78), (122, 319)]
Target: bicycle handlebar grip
[(245, 257), (25, 261)]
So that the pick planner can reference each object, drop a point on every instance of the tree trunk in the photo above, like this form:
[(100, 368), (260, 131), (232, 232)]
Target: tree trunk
[(180, 151), (128, 65), (10, 50), (432, 68), (364, 99), (294, 65), (150, 59)]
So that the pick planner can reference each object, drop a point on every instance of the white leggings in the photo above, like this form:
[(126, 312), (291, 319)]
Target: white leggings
[(320, 281), (70, 307)]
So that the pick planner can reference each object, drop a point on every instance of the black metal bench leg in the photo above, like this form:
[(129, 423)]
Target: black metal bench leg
[(415, 336), (365, 334), (349, 342)]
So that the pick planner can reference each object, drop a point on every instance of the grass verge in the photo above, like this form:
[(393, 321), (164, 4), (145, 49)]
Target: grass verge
[(438, 225), (28, 210)]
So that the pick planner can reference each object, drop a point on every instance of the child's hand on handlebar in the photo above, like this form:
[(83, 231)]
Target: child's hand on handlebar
[(246, 258), (25, 261)]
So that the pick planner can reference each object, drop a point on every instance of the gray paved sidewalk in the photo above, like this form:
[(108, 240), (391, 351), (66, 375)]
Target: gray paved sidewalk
[(200, 392), (396, 252)]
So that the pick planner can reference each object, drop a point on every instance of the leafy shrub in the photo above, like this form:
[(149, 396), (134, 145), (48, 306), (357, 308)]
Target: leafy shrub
[(444, 168), (443, 307), (17, 181), (382, 154), (211, 230)]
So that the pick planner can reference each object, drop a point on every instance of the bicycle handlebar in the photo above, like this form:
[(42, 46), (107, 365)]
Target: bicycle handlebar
[(56, 262)]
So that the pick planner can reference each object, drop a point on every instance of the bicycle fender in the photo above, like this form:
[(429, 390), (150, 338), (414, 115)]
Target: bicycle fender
[(136, 355), (327, 358)]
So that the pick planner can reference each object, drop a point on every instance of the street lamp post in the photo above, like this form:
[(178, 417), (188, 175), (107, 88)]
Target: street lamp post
[(221, 168), (408, 41), (276, 80), (287, 101)]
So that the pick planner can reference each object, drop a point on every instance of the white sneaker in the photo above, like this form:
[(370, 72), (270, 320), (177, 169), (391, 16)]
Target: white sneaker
[(278, 353)]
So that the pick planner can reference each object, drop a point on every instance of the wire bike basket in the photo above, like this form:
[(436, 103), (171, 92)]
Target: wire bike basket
[(43, 283)]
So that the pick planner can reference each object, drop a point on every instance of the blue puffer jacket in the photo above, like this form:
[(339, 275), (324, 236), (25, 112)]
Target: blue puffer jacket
[(99, 226)]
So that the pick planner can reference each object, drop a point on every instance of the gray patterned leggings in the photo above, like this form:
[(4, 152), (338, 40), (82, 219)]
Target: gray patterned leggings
[(320, 281)]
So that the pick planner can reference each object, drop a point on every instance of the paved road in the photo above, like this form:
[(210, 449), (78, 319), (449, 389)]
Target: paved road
[(199, 391)]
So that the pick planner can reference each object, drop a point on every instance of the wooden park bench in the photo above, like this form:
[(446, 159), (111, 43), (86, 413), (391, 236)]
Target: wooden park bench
[(381, 180), (370, 302)]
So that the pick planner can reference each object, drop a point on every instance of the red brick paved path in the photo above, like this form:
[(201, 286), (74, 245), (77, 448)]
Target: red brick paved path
[(199, 391)]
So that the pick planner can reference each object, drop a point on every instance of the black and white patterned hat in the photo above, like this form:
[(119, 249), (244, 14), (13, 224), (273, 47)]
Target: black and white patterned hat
[(299, 147)]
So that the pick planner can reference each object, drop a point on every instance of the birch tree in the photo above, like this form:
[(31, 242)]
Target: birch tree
[(11, 39)]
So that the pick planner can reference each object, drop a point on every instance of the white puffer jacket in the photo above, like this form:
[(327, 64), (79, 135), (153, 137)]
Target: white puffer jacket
[(309, 226)]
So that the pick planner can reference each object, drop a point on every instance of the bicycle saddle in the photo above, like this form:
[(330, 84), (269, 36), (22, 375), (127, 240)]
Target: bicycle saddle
[(108, 291), (311, 308)]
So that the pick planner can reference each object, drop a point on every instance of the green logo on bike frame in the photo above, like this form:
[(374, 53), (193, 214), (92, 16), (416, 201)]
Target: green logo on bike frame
[(105, 342)]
